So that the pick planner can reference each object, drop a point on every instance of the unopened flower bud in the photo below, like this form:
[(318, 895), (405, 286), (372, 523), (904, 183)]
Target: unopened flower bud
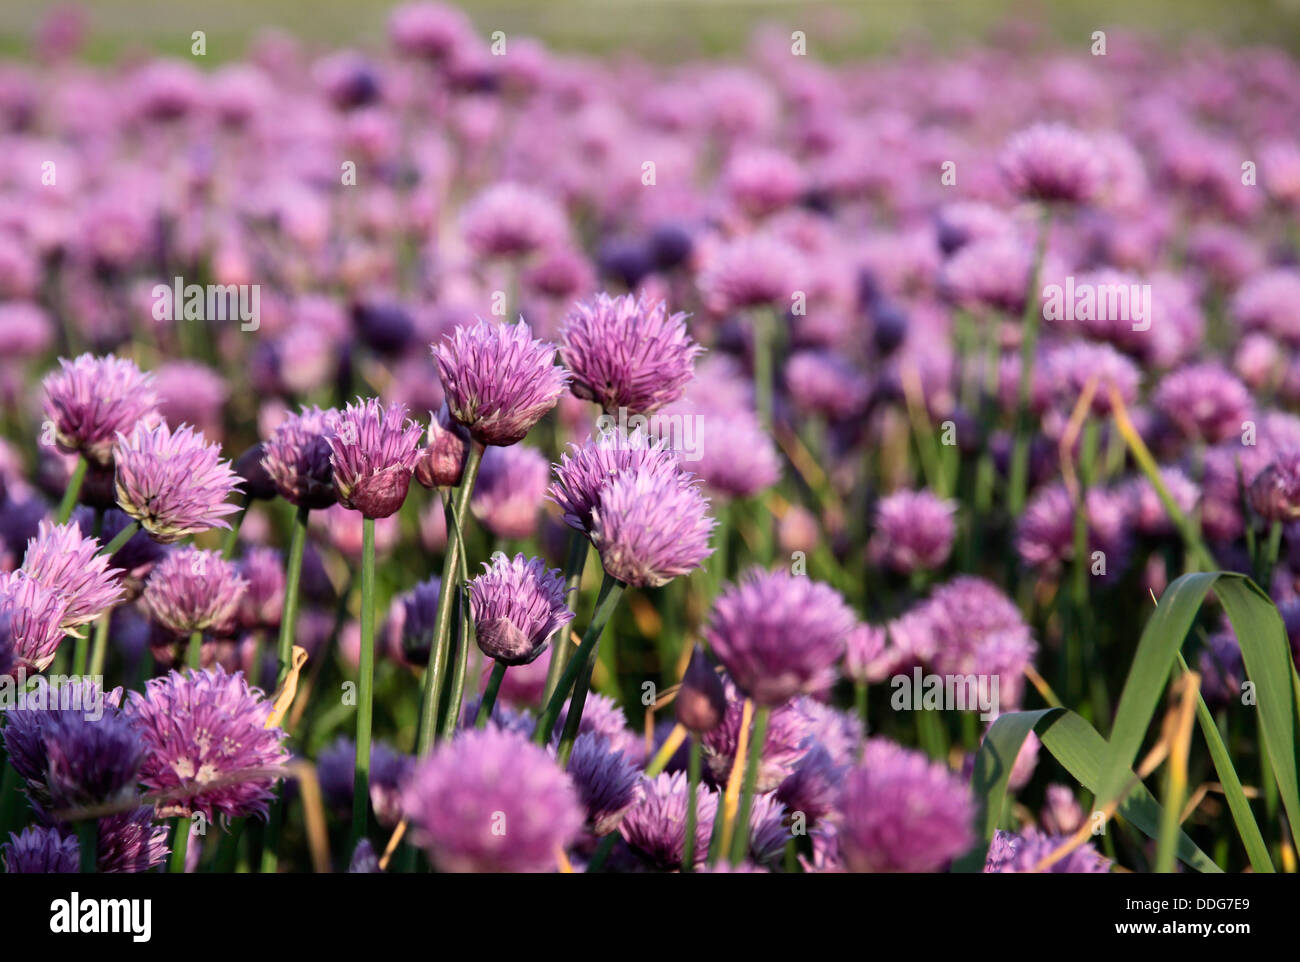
[(701, 702), (442, 460)]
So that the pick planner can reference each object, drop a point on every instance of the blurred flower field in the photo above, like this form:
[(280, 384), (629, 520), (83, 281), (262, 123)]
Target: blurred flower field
[(430, 447)]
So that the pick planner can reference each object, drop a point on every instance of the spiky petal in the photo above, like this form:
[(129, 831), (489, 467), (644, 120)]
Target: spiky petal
[(35, 616), (297, 458), (60, 558), (91, 400), (193, 590), (373, 451), (517, 605)]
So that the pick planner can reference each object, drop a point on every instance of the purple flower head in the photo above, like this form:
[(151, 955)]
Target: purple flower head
[(511, 220), (418, 622), (778, 634), (822, 383), (517, 605), (1062, 814), (173, 482), (1267, 302), (509, 490), (63, 561), (446, 448), (364, 861), (90, 760), (768, 832), (989, 273), (43, 704), (263, 602), (35, 616), (1053, 163), (298, 458), (1045, 538), (701, 701), (499, 381), (430, 31), (1204, 401), (1067, 369), (813, 787), (40, 850), (601, 715), (1275, 492), (193, 590), (8, 656), (738, 458), (762, 182), (607, 783), (132, 842), (207, 745), (389, 770), (1010, 852), (373, 451), (656, 826), (900, 812), (1222, 668), (753, 271), (581, 474), (651, 526), (490, 801), (93, 399), (786, 742), (914, 531), (628, 352), (866, 657)]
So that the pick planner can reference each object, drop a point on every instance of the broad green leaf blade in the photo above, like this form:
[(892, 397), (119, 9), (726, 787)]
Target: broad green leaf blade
[(1082, 752)]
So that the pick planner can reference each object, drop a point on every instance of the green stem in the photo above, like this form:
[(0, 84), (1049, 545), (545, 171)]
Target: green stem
[(740, 831), (73, 490), (232, 536), (442, 635), (180, 845), (194, 653), (762, 322), (464, 640), (560, 647), (365, 684), (490, 696), (292, 580), (860, 699), (1019, 475), (122, 537), (80, 652), (578, 673), (692, 788), (602, 852), (99, 650), (88, 842)]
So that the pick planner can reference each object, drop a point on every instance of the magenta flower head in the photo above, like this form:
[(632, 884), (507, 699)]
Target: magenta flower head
[(754, 271), (778, 634), (1275, 492), (446, 448), (491, 801), (900, 812), (517, 605), (298, 458), (430, 31), (628, 352), (607, 782), (263, 602), (173, 483), (93, 399), (193, 590), (207, 747), (373, 452), (35, 616), (1021, 853), (509, 490), (63, 561), (914, 531), (90, 760), (132, 842), (37, 850), (651, 525), (1204, 401), (656, 826), (581, 474), (1053, 163), (499, 381), (511, 220)]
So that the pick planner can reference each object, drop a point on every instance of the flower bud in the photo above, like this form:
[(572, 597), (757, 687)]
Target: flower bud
[(442, 461), (701, 701)]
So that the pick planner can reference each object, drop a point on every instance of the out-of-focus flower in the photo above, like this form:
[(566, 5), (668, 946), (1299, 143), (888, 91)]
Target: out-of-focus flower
[(1010, 852), (1204, 400), (446, 448), (509, 490), (701, 700), (1053, 163), (756, 270), (389, 770), (914, 531), (607, 783), (656, 826), (91, 400), (511, 220), (517, 604), (64, 561), (263, 602), (46, 851)]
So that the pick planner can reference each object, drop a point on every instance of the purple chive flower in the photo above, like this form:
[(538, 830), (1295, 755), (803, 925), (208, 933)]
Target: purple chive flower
[(90, 760), (656, 826), (46, 851), (92, 399), (900, 812), (373, 452), (446, 448), (1204, 401), (914, 531), (430, 31), (24, 729), (511, 220), (738, 459), (1068, 368), (701, 701), (1275, 492), (1045, 537), (364, 861), (580, 475), (607, 783), (412, 622), (207, 745), (389, 770), (297, 458), (788, 731), (1010, 852), (778, 634), (1062, 814), (490, 801), (627, 352), (1053, 163), (8, 656), (989, 273), (193, 590), (822, 383), (509, 490), (517, 605), (602, 716), (35, 616), (499, 381), (1267, 302), (173, 482), (755, 270), (651, 526), (63, 561), (132, 842), (866, 657), (813, 787), (767, 828), (263, 601)]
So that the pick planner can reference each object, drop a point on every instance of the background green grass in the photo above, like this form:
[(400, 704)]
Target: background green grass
[(660, 29)]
